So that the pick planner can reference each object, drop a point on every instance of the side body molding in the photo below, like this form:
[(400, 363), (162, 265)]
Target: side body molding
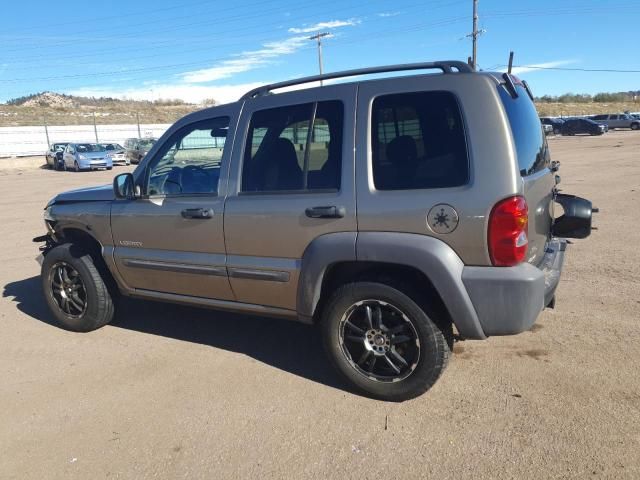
[(433, 258), (321, 253)]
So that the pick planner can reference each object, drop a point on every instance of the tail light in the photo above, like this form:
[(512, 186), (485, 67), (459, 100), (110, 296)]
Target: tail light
[(508, 224)]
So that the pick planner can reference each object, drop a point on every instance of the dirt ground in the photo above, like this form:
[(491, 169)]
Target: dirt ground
[(173, 392)]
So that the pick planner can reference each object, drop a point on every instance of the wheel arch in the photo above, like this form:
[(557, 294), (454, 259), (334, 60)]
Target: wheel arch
[(428, 263), (88, 243)]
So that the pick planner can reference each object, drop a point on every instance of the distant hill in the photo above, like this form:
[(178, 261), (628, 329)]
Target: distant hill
[(61, 100), (61, 109)]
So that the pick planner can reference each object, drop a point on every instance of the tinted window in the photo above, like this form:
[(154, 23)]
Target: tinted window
[(189, 161), (294, 148), (600, 117), (418, 142), (531, 145)]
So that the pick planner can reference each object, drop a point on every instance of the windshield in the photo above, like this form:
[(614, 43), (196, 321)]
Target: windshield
[(89, 147), (59, 146), (148, 143), (112, 146)]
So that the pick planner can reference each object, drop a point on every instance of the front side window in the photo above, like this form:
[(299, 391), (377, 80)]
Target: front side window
[(294, 148), (418, 142), (189, 162)]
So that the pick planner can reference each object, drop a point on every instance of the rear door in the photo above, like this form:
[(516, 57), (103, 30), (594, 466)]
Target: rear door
[(534, 162), (292, 181)]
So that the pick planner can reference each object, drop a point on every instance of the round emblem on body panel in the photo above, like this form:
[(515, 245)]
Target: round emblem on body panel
[(442, 218)]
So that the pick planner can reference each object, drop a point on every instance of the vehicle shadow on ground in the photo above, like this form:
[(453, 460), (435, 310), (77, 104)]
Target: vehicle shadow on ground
[(287, 345)]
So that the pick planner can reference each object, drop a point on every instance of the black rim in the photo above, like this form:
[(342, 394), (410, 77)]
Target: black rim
[(68, 290), (379, 341)]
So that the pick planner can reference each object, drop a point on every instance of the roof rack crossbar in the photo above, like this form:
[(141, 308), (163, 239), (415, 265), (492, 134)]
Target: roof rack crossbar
[(447, 66)]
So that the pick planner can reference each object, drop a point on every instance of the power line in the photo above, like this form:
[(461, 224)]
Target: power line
[(569, 69), (202, 62)]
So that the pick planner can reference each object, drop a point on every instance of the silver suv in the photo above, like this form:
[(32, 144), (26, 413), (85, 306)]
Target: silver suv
[(388, 212), (617, 120)]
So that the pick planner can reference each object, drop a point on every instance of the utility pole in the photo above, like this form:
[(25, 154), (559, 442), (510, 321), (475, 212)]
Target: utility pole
[(474, 37), (317, 37), (474, 34)]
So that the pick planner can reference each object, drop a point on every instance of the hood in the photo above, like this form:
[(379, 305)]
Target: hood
[(92, 194)]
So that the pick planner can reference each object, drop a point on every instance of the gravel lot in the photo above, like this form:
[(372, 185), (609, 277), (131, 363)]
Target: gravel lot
[(168, 391)]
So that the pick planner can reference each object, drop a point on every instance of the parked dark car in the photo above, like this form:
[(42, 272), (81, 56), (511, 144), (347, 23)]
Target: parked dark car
[(54, 155), (556, 123), (575, 126), (137, 148)]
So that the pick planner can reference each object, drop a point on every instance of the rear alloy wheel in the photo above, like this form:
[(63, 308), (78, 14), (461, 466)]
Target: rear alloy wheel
[(74, 290), (382, 342)]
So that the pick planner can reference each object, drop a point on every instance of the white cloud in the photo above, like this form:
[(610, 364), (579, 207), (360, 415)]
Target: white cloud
[(192, 86), (325, 25), (245, 61), (536, 67), (388, 14), (188, 93)]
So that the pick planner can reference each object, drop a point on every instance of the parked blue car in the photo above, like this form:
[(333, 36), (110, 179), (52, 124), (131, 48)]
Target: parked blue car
[(86, 156)]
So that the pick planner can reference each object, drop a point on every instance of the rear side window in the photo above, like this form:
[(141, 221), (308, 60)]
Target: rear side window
[(418, 142), (294, 148), (531, 145)]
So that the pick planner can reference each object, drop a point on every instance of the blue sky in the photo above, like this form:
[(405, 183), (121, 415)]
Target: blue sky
[(210, 49)]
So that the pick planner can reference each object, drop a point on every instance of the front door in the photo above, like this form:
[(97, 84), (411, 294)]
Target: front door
[(171, 239), (294, 182)]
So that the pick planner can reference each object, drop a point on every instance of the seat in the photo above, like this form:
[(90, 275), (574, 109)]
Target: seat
[(402, 153), (281, 170)]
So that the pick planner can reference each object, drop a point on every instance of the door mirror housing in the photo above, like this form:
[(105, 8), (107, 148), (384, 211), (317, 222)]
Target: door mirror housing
[(124, 186)]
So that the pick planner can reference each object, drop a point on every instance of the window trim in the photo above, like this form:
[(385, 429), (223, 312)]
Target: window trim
[(465, 133), (304, 191), (161, 152)]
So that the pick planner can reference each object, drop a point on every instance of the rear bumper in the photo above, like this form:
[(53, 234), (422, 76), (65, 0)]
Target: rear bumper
[(507, 300)]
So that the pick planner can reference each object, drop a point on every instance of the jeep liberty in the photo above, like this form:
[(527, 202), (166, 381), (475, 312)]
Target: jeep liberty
[(387, 212)]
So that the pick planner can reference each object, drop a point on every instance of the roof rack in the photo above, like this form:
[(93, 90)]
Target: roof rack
[(446, 66)]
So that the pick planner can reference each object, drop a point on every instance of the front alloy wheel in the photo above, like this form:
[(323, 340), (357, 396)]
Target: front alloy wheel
[(74, 289), (68, 289)]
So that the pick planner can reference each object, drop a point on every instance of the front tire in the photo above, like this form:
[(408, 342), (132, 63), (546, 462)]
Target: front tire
[(75, 292), (635, 126), (76, 167), (382, 342)]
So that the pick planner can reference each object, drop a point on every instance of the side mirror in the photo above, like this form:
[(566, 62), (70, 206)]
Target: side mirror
[(123, 186)]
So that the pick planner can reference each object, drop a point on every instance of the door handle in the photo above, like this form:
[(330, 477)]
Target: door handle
[(197, 213), (325, 212)]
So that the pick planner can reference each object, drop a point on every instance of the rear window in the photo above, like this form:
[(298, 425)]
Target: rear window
[(418, 142), (531, 145)]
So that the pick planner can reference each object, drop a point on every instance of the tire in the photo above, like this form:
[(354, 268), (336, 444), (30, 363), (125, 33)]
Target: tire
[(556, 131), (425, 347), (635, 126), (109, 168), (76, 167), (88, 306)]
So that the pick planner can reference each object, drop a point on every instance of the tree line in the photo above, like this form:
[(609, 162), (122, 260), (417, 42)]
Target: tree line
[(633, 96)]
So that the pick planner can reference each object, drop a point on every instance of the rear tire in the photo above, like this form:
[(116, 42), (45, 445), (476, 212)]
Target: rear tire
[(75, 292), (635, 126), (382, 343)]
